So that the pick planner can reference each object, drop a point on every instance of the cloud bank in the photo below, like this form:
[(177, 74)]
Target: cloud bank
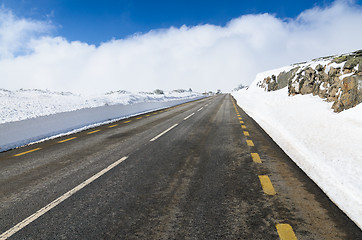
[(204, 57)]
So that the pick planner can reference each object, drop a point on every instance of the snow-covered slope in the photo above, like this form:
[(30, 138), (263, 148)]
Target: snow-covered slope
[(33, 115), (24, 104), (324, 144)]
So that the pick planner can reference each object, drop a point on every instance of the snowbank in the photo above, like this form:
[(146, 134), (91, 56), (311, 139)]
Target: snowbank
[(24, 104), (324, 144), (70, 113)]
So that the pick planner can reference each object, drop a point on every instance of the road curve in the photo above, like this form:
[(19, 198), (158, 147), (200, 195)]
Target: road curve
[(201, 170)]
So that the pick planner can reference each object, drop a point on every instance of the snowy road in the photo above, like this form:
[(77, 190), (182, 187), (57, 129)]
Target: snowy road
[(202, 170)]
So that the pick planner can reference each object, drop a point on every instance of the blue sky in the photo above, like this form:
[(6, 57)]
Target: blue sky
[(100, 46), (95, 21)]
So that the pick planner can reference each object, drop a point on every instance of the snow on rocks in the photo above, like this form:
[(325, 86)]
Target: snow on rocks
[(324, 144), (335, 79)]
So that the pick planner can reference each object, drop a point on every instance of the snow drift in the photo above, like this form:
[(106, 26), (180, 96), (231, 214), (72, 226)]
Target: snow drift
[(31, 115), (324, 144)]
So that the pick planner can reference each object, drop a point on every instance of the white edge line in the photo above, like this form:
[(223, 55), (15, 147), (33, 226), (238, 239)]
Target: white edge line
[(57, 201), (200, 109), (159, 135), (189, 116)]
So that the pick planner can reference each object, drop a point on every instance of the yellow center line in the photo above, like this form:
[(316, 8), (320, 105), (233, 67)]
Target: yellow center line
[(155, 113), (147, 115), (243, 126), (115, 125), (93, 131), (68, 139), (256, 157), (267, 185), (239, 118), (246, 133), (33, 150), (285, 232), (250, 143), (127, 121), (242, 122), (139, 118)]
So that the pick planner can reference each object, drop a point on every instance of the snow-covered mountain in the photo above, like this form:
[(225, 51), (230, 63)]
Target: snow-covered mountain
[(293, 105)]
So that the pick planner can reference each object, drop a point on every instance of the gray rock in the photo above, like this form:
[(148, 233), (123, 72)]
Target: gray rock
[(350, 93), (351, 63), (332, 94), (333, 72), (323, 93), (340, 59), (359, 88), (358, 53), (337, 106), (306, 85), (319, 67), (284, 77)]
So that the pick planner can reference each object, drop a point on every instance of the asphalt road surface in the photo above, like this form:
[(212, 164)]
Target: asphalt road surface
[(201, 170)]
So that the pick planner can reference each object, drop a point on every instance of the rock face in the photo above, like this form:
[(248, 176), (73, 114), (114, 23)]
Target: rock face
[(335, 79)]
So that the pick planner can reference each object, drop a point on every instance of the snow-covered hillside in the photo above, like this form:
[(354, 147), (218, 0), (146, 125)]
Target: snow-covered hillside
[(24, 104), (324, 144), (29, 116)]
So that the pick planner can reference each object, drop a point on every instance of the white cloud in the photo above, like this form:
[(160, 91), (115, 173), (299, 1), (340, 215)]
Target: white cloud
[(204, 57), (15, 33)]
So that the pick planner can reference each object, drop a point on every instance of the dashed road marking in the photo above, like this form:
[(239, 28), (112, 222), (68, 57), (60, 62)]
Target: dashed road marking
[(159, 135), (127, 121), (250, 143), (285, 232), (242, 122), (256, 157), (93, 131), (246, 133), (147, 115), (155, 113), (66, 140), (57, 201), (139, 118), (267, 185), (243, 126), (33, 150), (189, 116), (200, 109), (115, 125)]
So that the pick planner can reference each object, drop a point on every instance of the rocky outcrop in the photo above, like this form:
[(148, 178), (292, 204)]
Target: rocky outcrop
[(335, 79)]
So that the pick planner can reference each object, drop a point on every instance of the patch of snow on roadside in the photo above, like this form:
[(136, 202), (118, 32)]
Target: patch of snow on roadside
[(324, 144), (24, 104)]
